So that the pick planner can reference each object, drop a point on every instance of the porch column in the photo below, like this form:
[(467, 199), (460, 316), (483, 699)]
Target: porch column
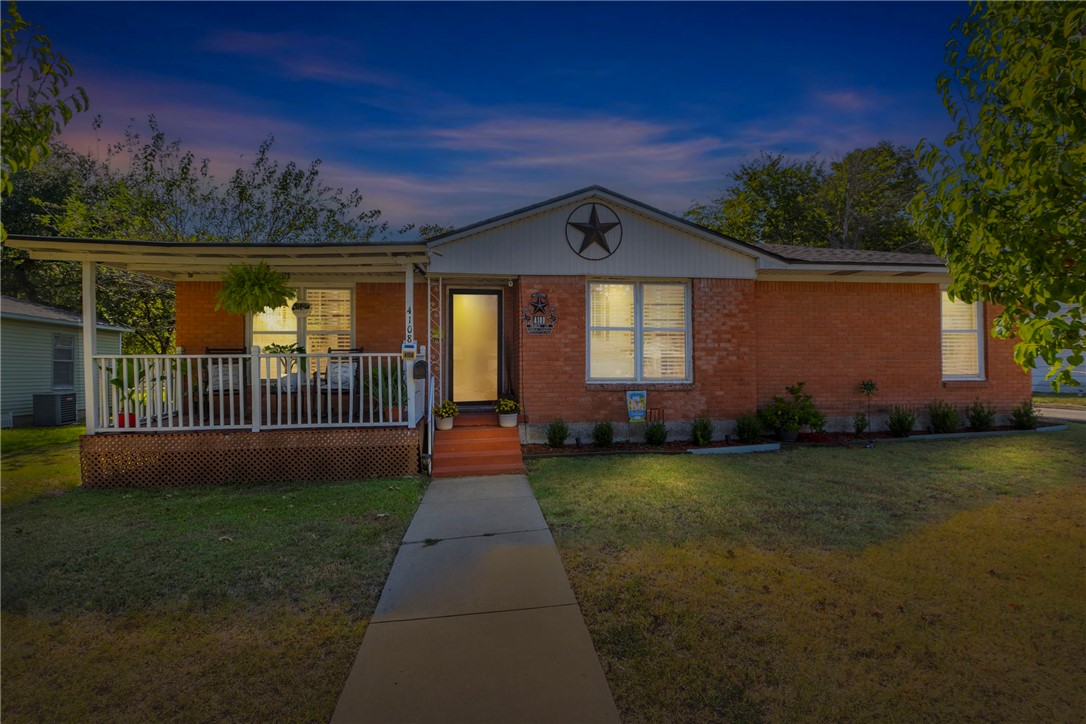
[(409, 334), (90, 343)]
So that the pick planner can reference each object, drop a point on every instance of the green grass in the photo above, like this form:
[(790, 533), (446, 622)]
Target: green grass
[(939, 580), (1064, 398), (38, 461), (199, 604)]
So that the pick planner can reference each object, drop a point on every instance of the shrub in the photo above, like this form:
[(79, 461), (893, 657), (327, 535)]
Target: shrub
[(981, 416), (557, 432), (901, 421), (701, 432), (860, 423), (944, 418), (1024, 417), (655, 433), (603, 434), (748, 429), (785, 414)]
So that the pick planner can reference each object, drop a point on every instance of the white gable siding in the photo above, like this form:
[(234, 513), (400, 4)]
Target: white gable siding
[(537, 245)]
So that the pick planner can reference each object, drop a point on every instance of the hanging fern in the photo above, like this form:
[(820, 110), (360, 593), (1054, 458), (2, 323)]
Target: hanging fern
[(250, 289)]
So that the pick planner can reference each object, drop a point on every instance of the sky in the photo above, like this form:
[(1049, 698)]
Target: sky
[(450, 113)]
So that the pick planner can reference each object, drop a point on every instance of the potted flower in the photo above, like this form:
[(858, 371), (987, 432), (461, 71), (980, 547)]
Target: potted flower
[(507, 412), (444, 414)]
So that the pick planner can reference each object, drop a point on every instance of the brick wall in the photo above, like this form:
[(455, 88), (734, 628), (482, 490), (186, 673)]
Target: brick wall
[(199, 325), (751, 339), (552, 367), (833, 336), (379, 315)]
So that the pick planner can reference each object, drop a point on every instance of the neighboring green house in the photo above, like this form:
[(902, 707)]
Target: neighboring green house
[(41, 353)]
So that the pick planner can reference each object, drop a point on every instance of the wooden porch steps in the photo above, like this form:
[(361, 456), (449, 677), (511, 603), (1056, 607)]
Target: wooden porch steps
[(477, 446)]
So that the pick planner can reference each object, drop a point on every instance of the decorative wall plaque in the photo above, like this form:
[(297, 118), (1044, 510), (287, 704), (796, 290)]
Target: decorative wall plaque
[(540, 315), (593, 231)]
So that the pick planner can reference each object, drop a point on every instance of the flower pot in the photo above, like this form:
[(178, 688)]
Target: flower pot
[(128, 420), (787, 435), (509, 420), (443, 423)]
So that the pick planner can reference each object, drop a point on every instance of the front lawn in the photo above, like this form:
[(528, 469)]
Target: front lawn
[(244, 604), (38, 461), (929, 581)]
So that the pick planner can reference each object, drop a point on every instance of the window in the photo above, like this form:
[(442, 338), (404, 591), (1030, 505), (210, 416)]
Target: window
[(63, 360), (328, 325), (962, 340), (638, 332)]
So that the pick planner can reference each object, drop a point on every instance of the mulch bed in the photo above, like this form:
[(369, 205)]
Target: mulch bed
[(675, 447)]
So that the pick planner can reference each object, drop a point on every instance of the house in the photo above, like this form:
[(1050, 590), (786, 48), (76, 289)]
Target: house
[(566, 305), (41, 357)]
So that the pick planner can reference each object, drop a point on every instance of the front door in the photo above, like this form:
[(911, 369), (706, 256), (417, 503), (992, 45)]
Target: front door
[(475, 345)]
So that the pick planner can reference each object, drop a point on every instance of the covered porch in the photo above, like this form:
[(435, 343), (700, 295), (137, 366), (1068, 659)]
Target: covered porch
[(234, 410)]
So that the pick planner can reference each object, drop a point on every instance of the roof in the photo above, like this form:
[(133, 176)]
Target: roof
[(824, 255), (210, 260), (12, 308), (179, 261)]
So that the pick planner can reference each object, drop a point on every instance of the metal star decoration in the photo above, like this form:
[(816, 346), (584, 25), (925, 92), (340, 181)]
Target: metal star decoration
[(594, 231)]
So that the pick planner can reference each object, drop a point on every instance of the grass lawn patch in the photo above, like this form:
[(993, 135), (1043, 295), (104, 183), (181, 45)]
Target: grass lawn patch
[(194, 604), (38, 461), (942, 581), (1063, 398)]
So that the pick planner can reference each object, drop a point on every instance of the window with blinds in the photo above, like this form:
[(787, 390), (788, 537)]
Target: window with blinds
[(63, 360), (328, 325), (963, 343), (638, 332)]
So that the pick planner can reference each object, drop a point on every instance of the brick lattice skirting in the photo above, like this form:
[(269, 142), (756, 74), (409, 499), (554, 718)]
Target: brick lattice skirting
[(213, 458)]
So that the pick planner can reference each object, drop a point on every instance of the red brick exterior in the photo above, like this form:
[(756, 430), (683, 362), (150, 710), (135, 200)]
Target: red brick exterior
[(749, 340), (198, 324), (834, 335), (379, 315)]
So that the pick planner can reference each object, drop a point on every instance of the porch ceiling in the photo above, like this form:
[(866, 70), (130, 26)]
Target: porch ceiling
[(207, 261)]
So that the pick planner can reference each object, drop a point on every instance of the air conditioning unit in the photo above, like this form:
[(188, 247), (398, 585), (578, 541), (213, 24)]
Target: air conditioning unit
[(55, 408)]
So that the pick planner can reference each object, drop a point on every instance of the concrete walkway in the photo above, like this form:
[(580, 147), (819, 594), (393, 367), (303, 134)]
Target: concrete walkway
[(1064, 413), (477, 622)]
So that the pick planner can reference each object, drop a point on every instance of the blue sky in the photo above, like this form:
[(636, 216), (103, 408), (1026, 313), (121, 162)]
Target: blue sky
[(450, 113)]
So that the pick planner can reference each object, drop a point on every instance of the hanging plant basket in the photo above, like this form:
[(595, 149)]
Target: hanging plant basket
[(250, 289)]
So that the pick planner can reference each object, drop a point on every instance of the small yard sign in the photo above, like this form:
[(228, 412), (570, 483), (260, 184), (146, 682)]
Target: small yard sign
[(636, 406)]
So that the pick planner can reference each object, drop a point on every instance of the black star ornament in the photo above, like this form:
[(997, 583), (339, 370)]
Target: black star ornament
[(594, 231)]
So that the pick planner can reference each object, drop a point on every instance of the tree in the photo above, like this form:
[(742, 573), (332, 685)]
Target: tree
[(36, 104), (157, 190), (858, 203), (866, 195), (771, 201), (1006, 203)]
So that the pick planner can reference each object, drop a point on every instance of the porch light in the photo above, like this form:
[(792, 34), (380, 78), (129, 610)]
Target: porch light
[(301, 309)]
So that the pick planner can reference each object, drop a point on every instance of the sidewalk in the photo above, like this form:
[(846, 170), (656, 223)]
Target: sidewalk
[(477, 622)]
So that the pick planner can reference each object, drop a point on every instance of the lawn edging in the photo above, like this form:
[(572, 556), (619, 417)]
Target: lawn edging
[(736, 449), (957, 435)]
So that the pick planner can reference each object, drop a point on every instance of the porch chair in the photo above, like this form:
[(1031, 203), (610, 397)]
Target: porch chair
[(227, 384), (334, 386)]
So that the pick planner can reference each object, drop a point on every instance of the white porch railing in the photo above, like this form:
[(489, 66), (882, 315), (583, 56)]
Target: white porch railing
[(256, 391)]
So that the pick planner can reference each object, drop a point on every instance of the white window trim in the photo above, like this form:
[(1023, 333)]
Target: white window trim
[(53, 362), (977, 332), (300, 294), (638, 329)]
